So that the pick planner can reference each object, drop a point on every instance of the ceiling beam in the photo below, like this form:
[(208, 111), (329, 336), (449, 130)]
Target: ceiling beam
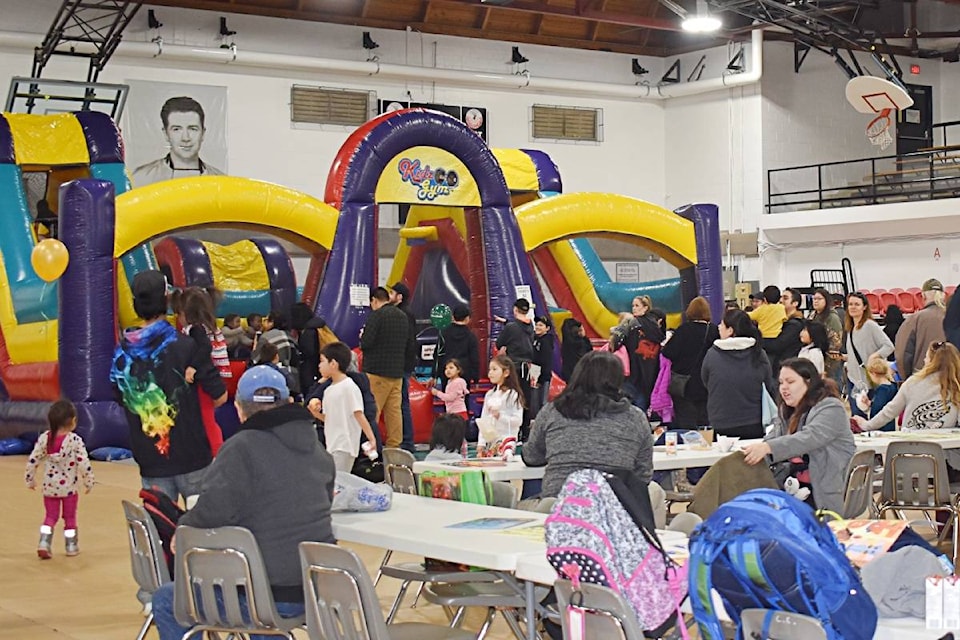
[(645, 37), (484, 19), (438, 29), (595, 25), (583, 12)]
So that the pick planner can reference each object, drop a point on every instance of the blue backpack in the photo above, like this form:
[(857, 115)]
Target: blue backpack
[(766, 549)]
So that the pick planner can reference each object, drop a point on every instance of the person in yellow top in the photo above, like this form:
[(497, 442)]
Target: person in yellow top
[(770, 315)]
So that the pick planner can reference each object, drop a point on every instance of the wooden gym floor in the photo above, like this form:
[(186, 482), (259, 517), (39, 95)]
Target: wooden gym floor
[(93, 596)]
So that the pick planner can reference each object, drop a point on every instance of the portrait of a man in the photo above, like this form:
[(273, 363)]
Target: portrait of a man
[(174, 130), (184, 124)]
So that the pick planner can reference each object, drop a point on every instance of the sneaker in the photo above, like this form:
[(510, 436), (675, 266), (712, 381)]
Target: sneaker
[(73, 546), (45, 546)]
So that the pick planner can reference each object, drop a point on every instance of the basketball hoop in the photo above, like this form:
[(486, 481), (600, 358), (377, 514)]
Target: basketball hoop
[(878, 131), (878, 97)]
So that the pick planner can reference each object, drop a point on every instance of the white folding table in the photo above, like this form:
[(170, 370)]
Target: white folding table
[(516, 470), (688, 457), (421, 526), (880, 440)]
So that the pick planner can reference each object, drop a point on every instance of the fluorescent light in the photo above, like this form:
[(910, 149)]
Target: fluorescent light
[(702, 23)]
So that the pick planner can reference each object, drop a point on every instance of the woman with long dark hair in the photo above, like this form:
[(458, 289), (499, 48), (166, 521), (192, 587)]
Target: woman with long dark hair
[(816, 344), (733, 372), (812, 424), (686, 351), (825, 314), (575, 344), (590, 426), (892, 321)]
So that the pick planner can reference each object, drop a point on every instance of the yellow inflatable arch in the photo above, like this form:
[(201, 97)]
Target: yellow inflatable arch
[(164, 207), (549, 220)]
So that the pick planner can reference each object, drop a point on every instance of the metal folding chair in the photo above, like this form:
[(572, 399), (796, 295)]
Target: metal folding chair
[(766, 624), (225, 562), (606, 614), (395, 459), (146, 557), (342, 604), (915, 478), (503, 494), (398, 473), (858, 496)]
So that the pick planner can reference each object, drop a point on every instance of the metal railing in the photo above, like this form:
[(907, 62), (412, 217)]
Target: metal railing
[(942, 128), (923, 175)]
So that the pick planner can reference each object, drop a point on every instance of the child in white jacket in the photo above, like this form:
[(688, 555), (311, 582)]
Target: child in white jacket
[(502, 412), (62, 460)]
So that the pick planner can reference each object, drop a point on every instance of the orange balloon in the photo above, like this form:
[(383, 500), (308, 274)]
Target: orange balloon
[(49, 259)]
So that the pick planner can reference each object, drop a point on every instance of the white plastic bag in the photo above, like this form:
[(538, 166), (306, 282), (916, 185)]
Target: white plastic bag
[(352, 493)]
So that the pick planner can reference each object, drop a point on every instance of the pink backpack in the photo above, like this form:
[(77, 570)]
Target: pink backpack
[(622, 355), (592, 537)]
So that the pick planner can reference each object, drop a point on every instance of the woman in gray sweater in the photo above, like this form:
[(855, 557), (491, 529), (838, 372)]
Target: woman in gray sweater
[(812, 424), (590, 426), (865, 339)]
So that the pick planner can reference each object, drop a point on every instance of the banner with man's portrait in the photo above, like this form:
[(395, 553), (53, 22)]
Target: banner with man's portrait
[(174, 130)]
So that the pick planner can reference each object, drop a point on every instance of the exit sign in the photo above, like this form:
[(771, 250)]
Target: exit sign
[(915, 69)]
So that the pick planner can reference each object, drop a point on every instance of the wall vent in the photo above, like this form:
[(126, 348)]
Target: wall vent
[(576, 124), (323, 105)]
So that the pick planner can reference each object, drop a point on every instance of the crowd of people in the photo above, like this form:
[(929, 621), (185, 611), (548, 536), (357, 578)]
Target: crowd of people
[(718, 372), (799, 354)]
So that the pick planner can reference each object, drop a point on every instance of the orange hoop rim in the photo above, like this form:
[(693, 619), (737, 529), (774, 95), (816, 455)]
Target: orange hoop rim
[(882, 115)]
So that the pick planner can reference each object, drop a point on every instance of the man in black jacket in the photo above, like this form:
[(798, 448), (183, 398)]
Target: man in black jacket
[(516, 340), (167, 433), (459, 343), (384, 346), (273, 478), (786, 345), (400, 297)]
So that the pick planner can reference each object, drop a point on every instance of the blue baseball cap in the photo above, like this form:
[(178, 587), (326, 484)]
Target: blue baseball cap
[(262, 383)]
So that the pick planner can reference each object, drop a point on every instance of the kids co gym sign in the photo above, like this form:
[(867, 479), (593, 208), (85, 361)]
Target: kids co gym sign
[(427, 175)]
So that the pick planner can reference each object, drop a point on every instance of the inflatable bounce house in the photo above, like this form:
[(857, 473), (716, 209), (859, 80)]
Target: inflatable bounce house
[(482, 225)]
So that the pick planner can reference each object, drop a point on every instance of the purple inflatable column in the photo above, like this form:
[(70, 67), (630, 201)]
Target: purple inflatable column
[(706, 229), (87, 318)]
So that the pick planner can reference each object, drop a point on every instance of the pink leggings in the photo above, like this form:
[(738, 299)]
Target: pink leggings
[(69, 505)]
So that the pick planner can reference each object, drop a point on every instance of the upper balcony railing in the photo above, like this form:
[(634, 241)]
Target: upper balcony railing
[(925, 175)]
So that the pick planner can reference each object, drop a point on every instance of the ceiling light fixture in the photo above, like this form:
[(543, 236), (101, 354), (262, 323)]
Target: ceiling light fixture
[(703, 21)]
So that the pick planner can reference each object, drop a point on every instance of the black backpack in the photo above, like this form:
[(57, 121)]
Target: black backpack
[(165, 514)]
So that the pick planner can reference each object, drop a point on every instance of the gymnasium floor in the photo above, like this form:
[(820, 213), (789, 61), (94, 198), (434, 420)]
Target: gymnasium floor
[(92, 596)]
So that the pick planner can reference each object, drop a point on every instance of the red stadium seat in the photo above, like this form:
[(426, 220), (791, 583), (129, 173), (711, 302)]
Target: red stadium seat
[(887, 298), (906, 301), (874, 300)]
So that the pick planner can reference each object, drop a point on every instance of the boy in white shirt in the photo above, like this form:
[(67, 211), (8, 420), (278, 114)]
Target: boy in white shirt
[(342, 410)]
